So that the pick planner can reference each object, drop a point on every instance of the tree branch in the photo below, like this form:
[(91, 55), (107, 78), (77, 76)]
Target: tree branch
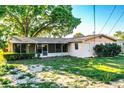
[(39, 30)]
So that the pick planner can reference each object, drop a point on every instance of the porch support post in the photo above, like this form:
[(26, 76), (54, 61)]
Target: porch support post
[(35, 48), (27, 48), (47, 48), (61, 48), (55, 48), (20, 48)]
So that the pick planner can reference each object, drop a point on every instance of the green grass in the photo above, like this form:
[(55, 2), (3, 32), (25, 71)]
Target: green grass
[(98, 69)]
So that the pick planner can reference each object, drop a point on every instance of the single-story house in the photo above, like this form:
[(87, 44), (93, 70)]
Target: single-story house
[(48, 47)]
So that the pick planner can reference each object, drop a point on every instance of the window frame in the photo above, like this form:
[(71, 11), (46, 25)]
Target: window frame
[(76, 46)]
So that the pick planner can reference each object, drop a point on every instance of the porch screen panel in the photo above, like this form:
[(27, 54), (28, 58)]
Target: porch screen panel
[(16, 48), (58, 47), (65, 48), (39, 48), (51, 48), (23, 48)]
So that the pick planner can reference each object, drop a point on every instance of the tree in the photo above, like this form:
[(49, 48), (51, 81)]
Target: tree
[(119, 35), (2, 39), (31, 21), (3, 30), (78, 35)]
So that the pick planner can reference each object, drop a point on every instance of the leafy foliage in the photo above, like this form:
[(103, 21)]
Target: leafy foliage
[(5, 81), (119, 35), (78, 35), (107, 50), (4, 69), (30, 21)]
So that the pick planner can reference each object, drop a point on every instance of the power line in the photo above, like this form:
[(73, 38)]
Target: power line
[(116, 22), (108, 18)]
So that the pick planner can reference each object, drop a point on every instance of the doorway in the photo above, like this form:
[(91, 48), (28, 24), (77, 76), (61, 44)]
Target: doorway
[(45, 49)]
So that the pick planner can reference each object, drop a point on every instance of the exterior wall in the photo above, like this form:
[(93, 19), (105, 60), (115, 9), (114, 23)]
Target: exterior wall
[(73, 52), (99, 40), (10, 47), (84, 50)]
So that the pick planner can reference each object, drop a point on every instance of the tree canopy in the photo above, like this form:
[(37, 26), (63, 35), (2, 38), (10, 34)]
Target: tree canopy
[(32, 21), (77, 35), (119, 35)]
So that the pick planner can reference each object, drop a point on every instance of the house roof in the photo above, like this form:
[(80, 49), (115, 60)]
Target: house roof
[(98, 35), (38, 40), (88, 37), (55, 40)]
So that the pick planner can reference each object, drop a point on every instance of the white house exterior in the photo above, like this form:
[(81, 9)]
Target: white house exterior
[(50, 47)]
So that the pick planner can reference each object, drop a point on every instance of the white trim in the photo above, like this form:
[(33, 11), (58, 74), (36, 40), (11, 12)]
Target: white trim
[(55, 54)]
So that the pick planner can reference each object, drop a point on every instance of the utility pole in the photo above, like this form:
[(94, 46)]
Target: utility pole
[(94, 23)]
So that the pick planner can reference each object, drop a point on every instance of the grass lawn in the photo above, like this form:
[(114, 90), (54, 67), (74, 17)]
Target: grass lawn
[(73, 72)]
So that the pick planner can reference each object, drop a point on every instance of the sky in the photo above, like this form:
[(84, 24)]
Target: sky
[(85, 12)]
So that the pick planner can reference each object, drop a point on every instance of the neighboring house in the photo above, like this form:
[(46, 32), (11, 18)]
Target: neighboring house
[(121, 43), (48, 47)]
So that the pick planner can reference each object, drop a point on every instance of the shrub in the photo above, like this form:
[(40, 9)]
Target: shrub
[(18, 56), (107, 50), (5, 81)]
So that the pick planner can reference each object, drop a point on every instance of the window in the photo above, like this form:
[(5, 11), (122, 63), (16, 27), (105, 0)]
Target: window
[(58, 47), (76, 46), (65, 48), (39, 48), (51, 48)]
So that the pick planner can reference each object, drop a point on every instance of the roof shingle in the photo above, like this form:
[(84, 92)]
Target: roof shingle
[(54, 40)]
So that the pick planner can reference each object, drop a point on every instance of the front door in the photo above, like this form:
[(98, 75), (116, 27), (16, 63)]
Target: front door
[(45, 49)]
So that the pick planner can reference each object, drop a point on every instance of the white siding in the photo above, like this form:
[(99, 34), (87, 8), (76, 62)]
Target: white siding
[(84, 50)]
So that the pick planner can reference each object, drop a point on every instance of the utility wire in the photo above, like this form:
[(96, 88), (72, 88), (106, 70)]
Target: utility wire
[(116, 22), (108, 19)]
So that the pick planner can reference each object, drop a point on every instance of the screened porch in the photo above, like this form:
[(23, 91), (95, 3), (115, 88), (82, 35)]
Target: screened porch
[(43, 49)]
